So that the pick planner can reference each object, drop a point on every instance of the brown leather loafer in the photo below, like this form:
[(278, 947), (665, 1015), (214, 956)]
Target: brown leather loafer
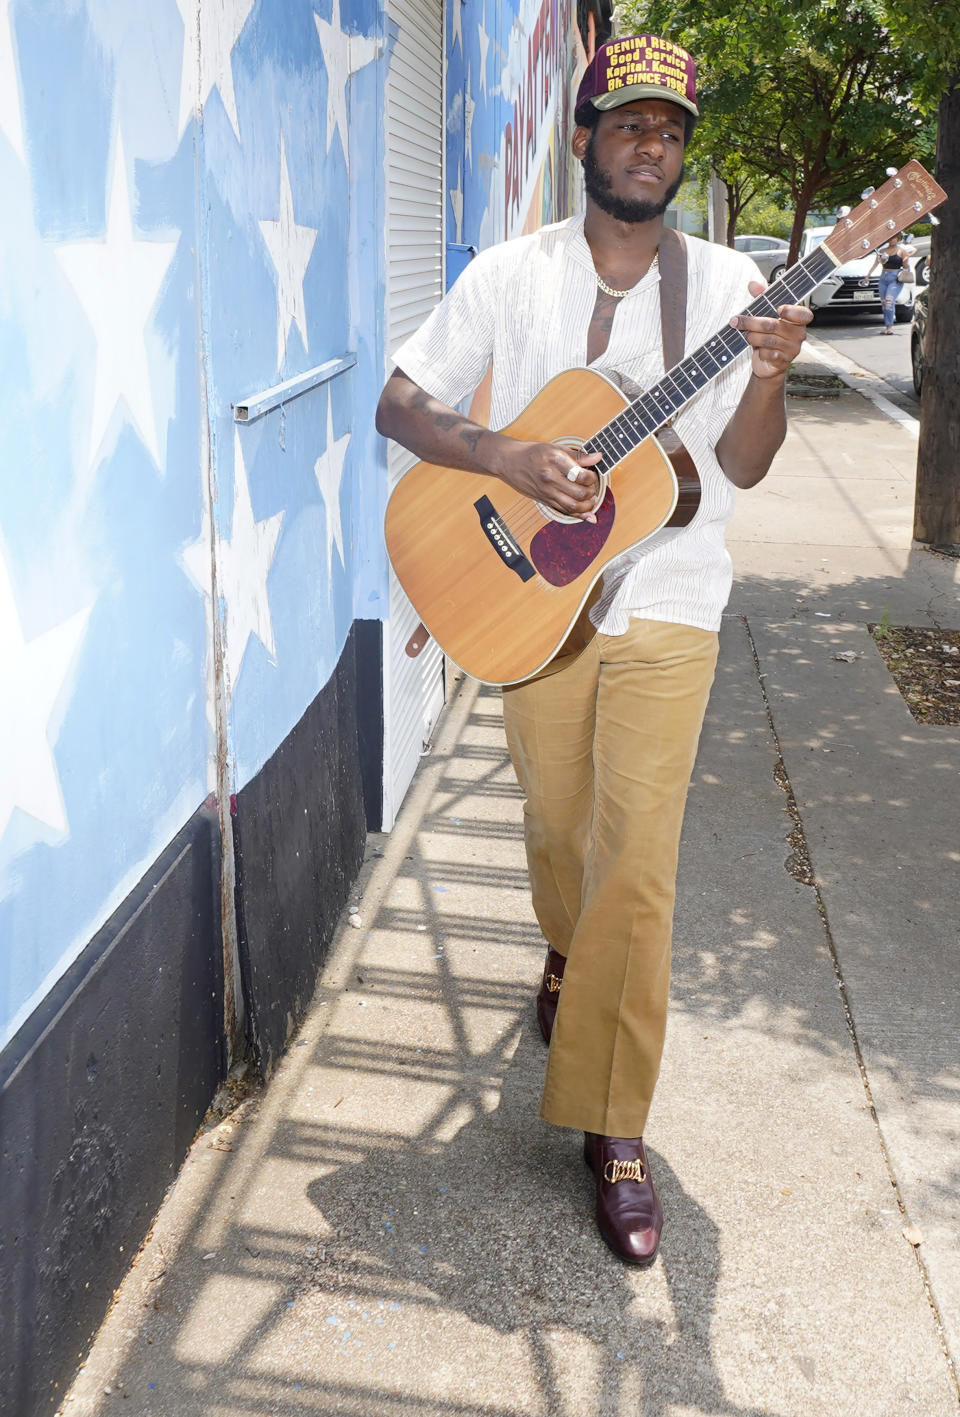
[(549, 995), (628, 1208)]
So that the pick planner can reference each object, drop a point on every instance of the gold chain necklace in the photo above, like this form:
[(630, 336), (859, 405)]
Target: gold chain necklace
[(619, 294)]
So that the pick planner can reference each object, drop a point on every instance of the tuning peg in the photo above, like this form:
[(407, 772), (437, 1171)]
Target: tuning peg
[(842, 212), (934, 220), (867, 192), (891, 172)]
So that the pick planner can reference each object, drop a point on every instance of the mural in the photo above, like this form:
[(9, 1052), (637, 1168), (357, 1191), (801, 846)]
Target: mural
[(511, 80), (181, 245), (173, 582)]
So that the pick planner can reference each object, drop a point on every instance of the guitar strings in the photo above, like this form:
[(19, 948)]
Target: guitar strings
[(523, 516)]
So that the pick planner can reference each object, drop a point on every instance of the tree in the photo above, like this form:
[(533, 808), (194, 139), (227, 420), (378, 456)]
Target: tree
[(741, 183), (934, 33), (810, 96)]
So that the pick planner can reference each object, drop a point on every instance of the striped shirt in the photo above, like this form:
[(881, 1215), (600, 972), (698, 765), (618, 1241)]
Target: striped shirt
[(525, 307)]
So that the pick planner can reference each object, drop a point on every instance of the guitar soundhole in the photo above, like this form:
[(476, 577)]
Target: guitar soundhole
[(562, 551)]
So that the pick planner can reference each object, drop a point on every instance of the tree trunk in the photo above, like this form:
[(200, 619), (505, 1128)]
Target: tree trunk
[(716, 207), (937, 508), (796, 234)]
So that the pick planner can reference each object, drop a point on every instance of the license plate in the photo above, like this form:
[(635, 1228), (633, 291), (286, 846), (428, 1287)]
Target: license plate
[(864, 295)]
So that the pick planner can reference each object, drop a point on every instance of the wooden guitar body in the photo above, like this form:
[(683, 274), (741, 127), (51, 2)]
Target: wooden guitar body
[(497, 581)]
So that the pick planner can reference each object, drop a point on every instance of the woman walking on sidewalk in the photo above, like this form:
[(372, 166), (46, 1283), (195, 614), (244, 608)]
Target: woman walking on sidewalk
[(893, 258)]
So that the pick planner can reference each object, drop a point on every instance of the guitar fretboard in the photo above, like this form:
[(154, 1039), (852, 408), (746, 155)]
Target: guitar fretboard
[(652, 409)]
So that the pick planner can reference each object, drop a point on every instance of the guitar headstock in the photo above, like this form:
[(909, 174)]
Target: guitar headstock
[(904, 198)]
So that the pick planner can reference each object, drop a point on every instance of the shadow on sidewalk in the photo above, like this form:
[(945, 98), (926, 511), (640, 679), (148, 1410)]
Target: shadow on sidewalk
[(495, 1228), (919, 586), (430, 1248)]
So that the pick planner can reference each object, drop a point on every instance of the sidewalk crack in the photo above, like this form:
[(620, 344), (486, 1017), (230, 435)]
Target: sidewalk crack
[(798, 839)]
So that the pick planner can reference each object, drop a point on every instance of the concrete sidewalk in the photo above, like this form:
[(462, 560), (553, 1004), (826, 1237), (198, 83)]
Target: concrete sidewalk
[(389, 1227)]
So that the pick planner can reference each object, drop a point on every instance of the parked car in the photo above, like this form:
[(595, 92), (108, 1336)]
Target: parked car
[(842, 290), (922, 258), (769, 252), (917, 335)]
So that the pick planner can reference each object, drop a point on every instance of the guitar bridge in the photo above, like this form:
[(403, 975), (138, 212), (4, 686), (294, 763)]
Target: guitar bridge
[(501, 539)]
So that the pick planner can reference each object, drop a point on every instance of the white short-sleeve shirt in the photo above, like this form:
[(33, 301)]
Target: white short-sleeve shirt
[(525, 307)]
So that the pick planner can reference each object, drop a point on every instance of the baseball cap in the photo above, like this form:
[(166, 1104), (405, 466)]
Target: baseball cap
[(638, 66)]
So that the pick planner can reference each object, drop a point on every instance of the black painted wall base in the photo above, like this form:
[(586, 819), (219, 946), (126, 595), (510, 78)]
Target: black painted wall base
[(101, 1093), (102, 1090), (299, 833)]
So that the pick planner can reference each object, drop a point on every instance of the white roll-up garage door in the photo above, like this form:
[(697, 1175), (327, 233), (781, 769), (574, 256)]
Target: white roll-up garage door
[(413, 688)]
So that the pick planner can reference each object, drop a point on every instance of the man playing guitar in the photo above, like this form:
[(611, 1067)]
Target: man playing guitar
[(604, 739)]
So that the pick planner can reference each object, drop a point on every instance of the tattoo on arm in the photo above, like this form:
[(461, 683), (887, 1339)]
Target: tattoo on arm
[(445, 421)]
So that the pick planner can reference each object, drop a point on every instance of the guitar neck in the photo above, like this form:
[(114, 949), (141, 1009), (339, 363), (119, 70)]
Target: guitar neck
[(652, 409)]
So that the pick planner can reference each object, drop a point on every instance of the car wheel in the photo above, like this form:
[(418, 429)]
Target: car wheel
[(916, 362), (921, 271), (903, 314), (776, 273)]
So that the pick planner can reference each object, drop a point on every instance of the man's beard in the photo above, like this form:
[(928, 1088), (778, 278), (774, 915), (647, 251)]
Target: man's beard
[(599, 185)]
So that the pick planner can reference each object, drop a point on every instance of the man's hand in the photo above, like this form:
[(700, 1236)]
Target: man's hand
[(776, 342), (548, 474), (439, 434)]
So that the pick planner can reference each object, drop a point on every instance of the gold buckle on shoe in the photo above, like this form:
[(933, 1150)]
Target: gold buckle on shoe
[(624, 1171), (553, 984)]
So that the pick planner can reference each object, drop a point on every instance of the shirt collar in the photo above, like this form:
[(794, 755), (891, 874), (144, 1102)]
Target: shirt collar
[(578, 251)]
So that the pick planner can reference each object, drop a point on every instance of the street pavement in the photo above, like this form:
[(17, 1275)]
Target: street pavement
[(859, 338), (388, 1226)]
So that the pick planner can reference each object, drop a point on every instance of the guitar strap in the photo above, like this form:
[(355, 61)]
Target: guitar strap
[(673, 295)]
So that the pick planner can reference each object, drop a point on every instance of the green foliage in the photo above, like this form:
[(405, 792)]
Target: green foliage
[(882, 630), (813, 98), (693, 197), (763, 216), (932, 31)]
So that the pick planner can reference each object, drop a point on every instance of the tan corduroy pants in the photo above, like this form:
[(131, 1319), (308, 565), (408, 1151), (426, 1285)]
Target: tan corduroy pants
[(603, 749)]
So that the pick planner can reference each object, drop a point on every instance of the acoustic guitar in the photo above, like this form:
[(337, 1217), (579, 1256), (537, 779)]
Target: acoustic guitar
[(499, 580)]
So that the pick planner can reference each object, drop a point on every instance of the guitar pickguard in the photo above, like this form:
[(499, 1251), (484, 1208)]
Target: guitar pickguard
[(562, 551)]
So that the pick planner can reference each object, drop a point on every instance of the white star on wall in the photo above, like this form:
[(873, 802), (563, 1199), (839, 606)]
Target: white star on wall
[(290, 248), (211, 29), (329, 474), (243, 565), (456, 25), (484, 46), (456, 201), (11, 124), (469, 109), (117, 282), (343, 56), (34, 675)]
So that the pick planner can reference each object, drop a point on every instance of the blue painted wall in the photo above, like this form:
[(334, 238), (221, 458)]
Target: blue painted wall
[(189, 219), (177, 234)]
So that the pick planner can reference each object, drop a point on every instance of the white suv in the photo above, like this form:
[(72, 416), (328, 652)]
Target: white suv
[(842, 289)]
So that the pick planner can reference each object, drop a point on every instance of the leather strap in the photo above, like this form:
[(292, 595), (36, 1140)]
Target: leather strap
[(673, 295), (417, 640)]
